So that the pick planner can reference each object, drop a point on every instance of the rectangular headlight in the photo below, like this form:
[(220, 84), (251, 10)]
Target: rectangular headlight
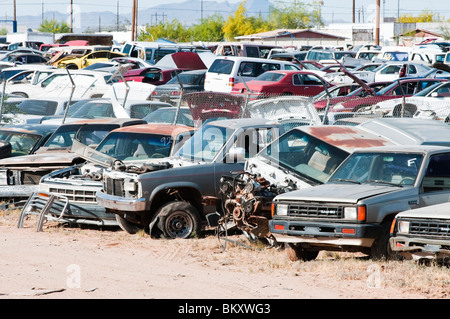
[(350, 213), (130, 186), (403, 226), (282, 209)]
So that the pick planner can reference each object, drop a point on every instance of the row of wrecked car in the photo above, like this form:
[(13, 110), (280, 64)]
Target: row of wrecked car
[(270, 175), (267, 167)]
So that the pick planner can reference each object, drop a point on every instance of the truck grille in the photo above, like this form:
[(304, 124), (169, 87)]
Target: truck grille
[(114, 187), (316, 210), (75, 195), (432, 228)]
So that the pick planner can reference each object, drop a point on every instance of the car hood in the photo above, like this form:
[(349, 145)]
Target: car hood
[(438, 211), (43, 159), (337, 192), (208, 105), (182, 60)]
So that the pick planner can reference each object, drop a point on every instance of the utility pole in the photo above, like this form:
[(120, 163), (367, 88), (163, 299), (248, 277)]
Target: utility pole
[(71, 16), (353, 12), (134, 21), (117, 16), (14, 18), (377, 24)]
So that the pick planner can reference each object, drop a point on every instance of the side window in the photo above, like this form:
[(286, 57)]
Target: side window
[(252, 52), (254, 140), (296, 79), (309, 79), (412, 69), (391, 69), (248, 69), (437, 176)]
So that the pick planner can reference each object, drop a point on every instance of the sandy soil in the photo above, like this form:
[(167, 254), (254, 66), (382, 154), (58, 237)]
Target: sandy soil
[(89, 263)]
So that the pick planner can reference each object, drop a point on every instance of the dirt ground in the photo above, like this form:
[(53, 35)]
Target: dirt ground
[(91, 263)]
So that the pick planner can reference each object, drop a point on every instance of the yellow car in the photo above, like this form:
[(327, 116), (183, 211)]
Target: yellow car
[(72, 62)]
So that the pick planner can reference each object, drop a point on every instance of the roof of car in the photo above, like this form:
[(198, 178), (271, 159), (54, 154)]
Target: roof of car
[(164, 129), (30, 128), (121, 121)]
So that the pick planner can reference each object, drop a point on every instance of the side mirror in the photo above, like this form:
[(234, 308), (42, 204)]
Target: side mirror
[(434, 94), (236, 154)]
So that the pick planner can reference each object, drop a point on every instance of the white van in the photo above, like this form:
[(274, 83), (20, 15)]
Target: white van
[(224, 72)]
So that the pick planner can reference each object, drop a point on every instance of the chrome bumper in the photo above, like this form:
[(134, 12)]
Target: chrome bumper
[(120, 203)]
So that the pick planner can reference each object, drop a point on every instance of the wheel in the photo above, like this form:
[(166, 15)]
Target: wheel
[(296, 252), (409, 110), (127, 226), (179, 220), (380, 248)]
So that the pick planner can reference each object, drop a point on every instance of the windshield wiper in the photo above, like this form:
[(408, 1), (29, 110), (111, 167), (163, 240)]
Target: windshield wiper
[(344, 180), (380, 181)]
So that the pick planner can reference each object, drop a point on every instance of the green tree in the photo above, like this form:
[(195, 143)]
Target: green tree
[(209, 29), (53, 26), (173, 31)]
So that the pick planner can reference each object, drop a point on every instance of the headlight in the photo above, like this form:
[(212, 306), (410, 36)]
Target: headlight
[(130, 186), (403, 226), (350, 213), (338, 106), (282, 209)]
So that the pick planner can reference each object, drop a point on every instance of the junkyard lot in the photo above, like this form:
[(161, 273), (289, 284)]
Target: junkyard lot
[(80, 263)]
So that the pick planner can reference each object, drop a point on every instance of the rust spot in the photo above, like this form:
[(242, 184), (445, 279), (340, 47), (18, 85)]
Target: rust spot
[(347, 137)]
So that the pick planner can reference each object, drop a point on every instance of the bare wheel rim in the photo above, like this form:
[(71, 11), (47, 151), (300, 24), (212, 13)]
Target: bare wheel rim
[(179, 224)]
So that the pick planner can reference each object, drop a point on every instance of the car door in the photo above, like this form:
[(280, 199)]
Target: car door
[(435, 185), (245, 144), (307, 84), (388, 73)]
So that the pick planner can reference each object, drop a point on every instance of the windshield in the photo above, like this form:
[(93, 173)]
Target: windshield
[(305, 155), (86, 134), (21, 143), (166, 115), (390, 168), (186, 78), (135, 146), (205, 144), (93, 110), (38, 107)]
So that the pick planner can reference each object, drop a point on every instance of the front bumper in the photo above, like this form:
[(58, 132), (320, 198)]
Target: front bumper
[(120, 203), (417, 248), (326, 233)]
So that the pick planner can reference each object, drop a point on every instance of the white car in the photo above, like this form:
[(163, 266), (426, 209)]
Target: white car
[(388, 71), (432, 102), (88, 84)]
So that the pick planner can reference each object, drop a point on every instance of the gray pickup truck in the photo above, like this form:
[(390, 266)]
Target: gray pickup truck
[(423, 233), (306, 156), (173, 199), (354, 210)]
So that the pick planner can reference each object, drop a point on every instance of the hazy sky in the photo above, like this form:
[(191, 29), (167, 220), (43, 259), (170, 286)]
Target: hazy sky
[(331, 10)]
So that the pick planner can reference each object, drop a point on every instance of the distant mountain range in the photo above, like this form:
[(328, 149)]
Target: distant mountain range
[(188, 13)]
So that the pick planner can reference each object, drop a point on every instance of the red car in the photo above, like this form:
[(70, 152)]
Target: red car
[(283, 82), (151, 75), (369, 89), (407, 87)]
